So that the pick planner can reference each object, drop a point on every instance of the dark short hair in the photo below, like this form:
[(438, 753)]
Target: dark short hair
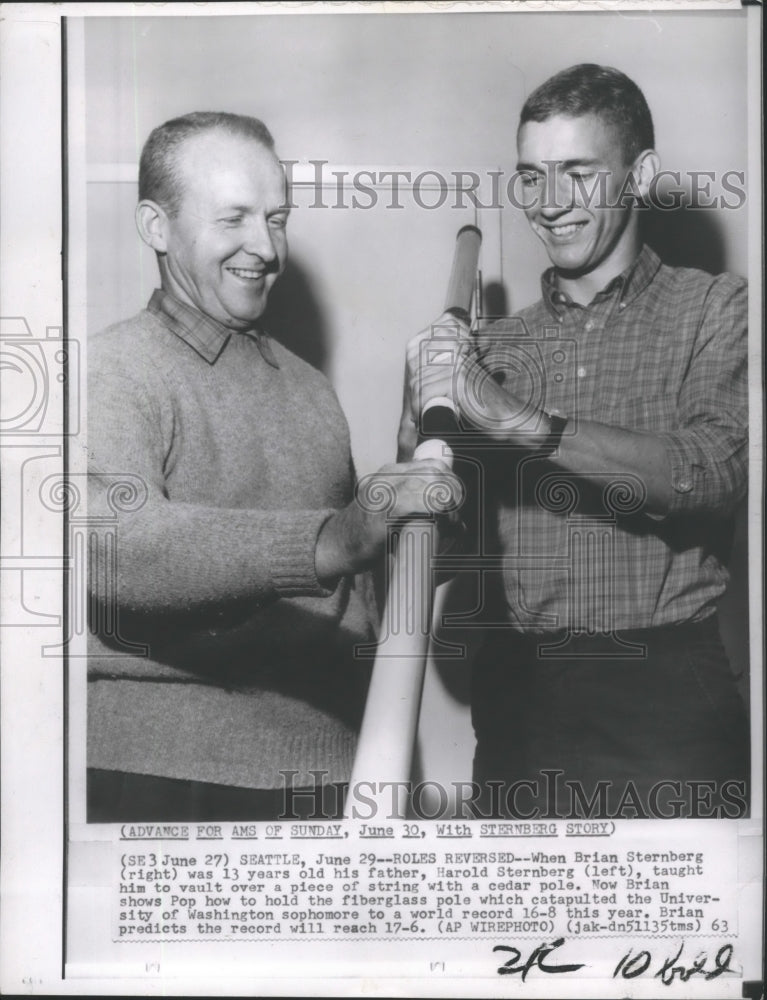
[(597, 90), (159, 175)]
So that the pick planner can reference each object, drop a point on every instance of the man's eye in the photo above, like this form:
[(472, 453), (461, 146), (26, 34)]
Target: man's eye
[(278, 221), (233, 220), (530, 180)]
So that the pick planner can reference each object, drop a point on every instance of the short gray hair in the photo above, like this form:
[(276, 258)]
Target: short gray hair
[(159, 177)]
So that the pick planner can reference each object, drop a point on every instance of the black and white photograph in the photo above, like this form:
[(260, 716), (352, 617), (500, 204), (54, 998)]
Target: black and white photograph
[(382, 489)]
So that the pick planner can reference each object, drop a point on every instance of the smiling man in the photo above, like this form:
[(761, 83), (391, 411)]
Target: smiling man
[(225, 617), (220, 234), (609, 422)]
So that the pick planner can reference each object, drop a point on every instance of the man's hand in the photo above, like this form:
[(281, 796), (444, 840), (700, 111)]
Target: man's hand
[(353, 538), (486, 405), (435, 359), (432, 368), (443, 361), (465, 375)]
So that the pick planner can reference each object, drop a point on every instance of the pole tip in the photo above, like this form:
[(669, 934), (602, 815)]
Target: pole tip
[(469, 229)]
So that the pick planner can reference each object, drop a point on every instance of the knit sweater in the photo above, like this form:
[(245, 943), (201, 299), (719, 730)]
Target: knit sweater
[(229, 661)]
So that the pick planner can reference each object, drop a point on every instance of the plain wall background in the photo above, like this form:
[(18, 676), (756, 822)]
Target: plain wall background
[(416, 91)]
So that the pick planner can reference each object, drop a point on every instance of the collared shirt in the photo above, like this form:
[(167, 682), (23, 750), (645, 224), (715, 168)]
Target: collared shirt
[(661, 351), (201, 332)]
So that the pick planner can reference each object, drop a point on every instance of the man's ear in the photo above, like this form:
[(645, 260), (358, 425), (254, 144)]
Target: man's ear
[(152, 225), (644, 169)]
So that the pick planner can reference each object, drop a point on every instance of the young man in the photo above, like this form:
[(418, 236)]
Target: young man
[(613, 443), (226, 616)]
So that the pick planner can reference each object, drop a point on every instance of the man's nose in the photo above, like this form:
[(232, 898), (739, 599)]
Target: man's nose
[(557, 194), (258, 240)]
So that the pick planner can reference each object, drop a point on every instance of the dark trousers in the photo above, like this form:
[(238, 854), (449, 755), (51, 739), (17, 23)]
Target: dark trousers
[(122, 797), (563, 721)]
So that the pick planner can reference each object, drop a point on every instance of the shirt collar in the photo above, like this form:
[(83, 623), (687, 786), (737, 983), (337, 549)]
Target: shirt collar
[(200, 332), (630, 283)]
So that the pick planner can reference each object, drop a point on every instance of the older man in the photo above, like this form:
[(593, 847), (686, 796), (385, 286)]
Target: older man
[(236, 570), (609, 419)]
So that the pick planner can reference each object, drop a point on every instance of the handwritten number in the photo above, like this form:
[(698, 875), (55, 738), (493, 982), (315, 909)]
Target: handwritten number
[(508, 966), (633, 968), (537, 957)]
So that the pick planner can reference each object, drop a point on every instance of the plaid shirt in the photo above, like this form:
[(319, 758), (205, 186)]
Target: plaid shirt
[(660, 350), (202, 333)]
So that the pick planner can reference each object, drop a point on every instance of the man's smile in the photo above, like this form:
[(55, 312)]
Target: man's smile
[(561, 230), (248, 273)]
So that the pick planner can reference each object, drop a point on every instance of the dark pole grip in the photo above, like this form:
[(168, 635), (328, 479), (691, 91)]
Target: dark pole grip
[(438, 419)]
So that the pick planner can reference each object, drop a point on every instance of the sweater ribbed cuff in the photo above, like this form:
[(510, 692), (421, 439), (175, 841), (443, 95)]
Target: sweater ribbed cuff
[(292, 554)]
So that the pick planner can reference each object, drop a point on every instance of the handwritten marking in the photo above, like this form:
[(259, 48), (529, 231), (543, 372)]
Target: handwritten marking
[(630, 966), (535, 960)]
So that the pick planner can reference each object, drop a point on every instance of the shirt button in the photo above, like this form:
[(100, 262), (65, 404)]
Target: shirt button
[(622, 305), (589, 325), (684, 485), (581, 372)]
